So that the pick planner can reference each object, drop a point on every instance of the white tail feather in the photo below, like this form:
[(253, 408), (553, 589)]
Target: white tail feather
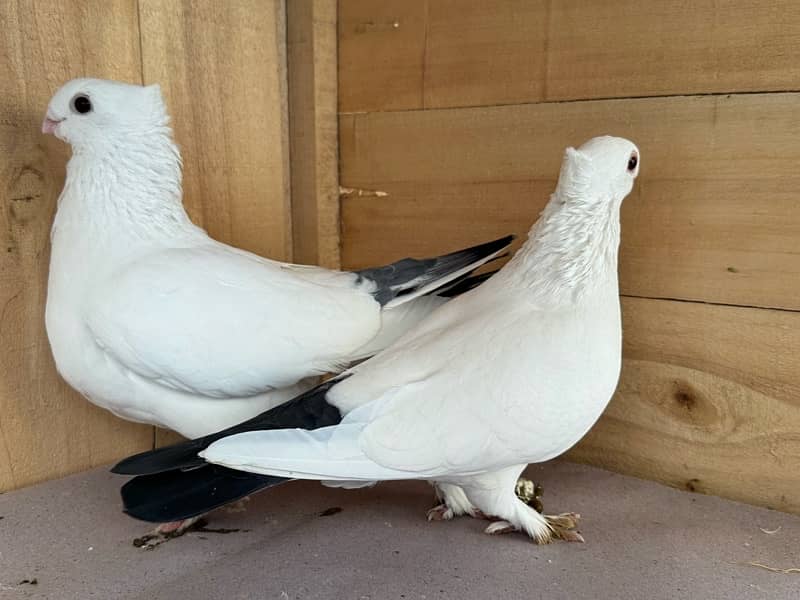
[(326, 454)]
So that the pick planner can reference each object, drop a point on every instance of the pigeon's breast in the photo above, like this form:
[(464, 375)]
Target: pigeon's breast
[(569, 381), (79, 263)]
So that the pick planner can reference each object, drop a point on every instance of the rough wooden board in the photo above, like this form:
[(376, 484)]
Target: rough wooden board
[(46, 429), (629, 48), (430, 219), (709, 401), (406, 54), (381, 50), (483, 53), (713, 216), (411, 54), (222, 69), (313, 131)]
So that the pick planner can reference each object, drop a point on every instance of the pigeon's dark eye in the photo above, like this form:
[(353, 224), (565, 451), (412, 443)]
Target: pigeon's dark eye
[(81, 104), (632, 162)]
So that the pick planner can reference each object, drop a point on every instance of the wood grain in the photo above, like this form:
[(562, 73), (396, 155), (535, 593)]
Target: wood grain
[(46, 429), (222, 68), (381, 52), (313, 131), (166, 437), (628, 48), (713, 216), (709, 401), (411, 54)]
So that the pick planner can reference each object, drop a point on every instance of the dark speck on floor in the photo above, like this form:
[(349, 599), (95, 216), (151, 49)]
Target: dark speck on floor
[(330, 511), (202, 526), (153, 540)]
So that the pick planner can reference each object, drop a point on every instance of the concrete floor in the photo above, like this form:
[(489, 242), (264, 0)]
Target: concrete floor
[(643, 541)]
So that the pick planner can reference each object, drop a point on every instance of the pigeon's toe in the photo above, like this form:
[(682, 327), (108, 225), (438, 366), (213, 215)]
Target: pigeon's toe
[(440, 512)]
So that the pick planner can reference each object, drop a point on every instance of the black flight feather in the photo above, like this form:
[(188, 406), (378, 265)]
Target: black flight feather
[(409, 274), (309, 410)]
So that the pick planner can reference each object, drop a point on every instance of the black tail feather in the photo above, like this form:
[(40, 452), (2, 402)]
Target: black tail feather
[(309, 410), (405, 276), (178, 495)]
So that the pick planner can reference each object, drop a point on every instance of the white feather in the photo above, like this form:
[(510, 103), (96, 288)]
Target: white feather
[(325, 454)]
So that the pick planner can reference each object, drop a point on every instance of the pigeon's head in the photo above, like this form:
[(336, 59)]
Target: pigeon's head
[(88, 112), (603, 167)]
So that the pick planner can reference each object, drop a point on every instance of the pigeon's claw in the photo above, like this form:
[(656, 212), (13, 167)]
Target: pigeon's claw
[(500, 527), (440, 512)]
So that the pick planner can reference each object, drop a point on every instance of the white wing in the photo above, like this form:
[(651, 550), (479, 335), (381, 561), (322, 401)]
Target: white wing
[(447, 399), (225, 323), (458, 408)]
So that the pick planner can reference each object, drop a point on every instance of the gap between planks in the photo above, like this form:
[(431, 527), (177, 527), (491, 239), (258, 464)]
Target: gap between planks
[(574, 101), (724, 304)]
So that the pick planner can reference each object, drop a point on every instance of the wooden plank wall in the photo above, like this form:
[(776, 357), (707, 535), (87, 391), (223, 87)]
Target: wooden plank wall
[(460, 110), (223, 71)]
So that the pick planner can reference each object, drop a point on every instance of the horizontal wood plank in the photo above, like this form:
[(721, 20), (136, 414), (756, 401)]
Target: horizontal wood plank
[(630, 48), (411, 54), (381, 46), (709, 401), (713, 216)]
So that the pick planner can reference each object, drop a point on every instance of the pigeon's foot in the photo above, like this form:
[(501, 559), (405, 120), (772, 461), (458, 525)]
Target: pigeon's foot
[(563, 526), (165, 532), (175, 528), (440, 512), (496, 493), (454, 504), (523, 518), (543, 529), (500, 527)]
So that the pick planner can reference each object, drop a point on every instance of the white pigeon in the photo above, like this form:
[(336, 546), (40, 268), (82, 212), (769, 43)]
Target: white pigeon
[(511, 373), (153, 320)]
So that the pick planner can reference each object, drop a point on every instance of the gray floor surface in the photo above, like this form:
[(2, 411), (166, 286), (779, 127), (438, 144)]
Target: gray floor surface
[(643, 541)]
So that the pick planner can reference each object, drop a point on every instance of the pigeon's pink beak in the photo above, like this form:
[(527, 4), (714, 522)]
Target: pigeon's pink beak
[(49, 125)]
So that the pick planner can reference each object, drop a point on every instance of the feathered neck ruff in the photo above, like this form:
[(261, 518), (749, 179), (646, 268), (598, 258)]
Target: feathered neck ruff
[(128, 182), (572, 249)]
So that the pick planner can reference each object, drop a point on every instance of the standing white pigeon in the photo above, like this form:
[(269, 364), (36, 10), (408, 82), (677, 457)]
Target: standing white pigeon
[(513, 372), (153, 320)]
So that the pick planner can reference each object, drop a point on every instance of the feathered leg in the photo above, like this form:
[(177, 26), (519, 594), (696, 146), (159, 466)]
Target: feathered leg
[(493, 493)]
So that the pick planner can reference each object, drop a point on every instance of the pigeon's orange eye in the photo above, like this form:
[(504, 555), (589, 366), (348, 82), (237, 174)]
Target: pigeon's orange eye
[(81, 104), (632, 162)]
